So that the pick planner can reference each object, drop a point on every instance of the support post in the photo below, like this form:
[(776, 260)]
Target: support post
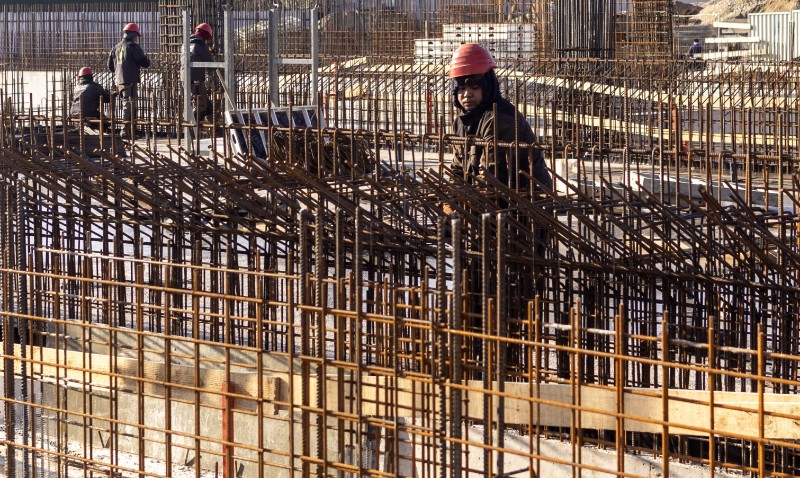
[(227, 65), (314, 54), (275, 61), (272, 25), (188, 114), (227, 430), (230, 75)]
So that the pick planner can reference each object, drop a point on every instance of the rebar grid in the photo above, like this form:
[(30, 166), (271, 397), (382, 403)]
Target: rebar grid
[(159, 275), (67, 35), (643, 29), (315, 312)]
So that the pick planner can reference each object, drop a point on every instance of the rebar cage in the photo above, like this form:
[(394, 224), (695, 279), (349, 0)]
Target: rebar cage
[(317, 309)]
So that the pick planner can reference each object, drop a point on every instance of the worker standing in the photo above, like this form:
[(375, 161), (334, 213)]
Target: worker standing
[(125, 61), (87, 95), (200, 51), (476, 95), (696, 55), (695, 50), (486, 116)]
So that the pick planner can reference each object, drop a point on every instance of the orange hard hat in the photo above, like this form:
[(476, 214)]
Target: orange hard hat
[(85, 71), (205, 28), (132, 27), (471, 59)]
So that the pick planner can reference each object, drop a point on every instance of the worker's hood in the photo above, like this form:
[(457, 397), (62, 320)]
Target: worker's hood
[(491, 93)]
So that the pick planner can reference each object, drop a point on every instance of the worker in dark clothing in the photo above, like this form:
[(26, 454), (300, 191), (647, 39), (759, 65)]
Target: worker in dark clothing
[(476, 95), (125, 61), (199, 51), (87, 95), (696, 49), (490, 119), (696, 55)]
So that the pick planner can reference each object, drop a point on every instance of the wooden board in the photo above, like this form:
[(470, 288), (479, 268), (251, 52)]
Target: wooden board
[(735, 414)]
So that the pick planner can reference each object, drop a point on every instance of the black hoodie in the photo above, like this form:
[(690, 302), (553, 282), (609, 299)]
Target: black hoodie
[(87, 95), (510, 127), (198, 51)]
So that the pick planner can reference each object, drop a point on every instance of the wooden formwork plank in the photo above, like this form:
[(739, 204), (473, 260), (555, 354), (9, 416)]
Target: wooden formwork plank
[(735, 413), (99, 371)]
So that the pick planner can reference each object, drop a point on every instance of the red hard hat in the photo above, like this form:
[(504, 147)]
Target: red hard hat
[(205, 28), (132, 27), (471, 59), (85, 71)]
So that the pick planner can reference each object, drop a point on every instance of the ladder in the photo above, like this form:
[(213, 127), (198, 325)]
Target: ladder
[(226, 65), (275, 61)]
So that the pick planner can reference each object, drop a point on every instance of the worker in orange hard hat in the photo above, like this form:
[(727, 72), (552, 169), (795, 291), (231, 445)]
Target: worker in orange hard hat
[(125, 61), (484, 113), (87, 95), (205, 31), (200, 51)]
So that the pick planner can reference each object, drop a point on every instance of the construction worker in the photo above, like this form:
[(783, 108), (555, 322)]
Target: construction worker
[(696, 49), (476, 95), (125, 61), (199, 51), (485, 115), (696, 55), (87, 95)]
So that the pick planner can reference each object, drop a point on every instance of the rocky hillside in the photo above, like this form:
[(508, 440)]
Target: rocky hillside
[(720, 10)]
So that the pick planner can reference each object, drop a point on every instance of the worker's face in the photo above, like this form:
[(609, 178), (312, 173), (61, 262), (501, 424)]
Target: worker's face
[(469, 92)]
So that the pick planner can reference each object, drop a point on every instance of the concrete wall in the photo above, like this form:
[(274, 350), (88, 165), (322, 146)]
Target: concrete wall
[(560, 455)]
